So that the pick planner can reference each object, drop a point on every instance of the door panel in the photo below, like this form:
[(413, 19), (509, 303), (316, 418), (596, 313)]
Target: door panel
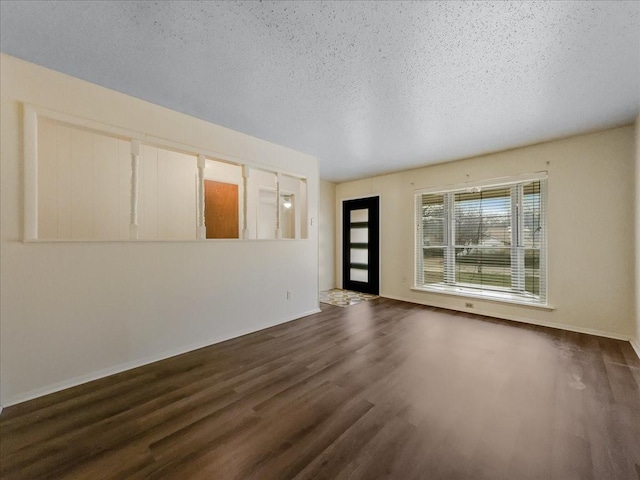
[(361, 245), (221, 209)]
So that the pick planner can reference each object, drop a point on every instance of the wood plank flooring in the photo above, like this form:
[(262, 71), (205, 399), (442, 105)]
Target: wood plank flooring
[(382, 389)]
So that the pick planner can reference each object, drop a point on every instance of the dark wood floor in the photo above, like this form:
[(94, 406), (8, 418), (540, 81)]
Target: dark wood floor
[(383, 389)]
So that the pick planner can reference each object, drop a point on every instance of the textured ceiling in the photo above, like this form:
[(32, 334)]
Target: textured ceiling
[(368, 87)]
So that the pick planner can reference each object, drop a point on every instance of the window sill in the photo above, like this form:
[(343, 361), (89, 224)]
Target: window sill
[(497, 297)]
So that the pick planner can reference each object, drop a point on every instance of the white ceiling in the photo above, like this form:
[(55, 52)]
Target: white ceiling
[(368, 87)]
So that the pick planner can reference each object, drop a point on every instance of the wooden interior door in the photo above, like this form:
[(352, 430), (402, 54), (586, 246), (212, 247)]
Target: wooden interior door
[(221, 209)]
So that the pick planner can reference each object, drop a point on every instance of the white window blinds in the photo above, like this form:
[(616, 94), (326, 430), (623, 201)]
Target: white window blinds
[(486, 241)]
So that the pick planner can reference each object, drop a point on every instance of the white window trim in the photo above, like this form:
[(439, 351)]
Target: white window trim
[(494, 182), (498, 295)]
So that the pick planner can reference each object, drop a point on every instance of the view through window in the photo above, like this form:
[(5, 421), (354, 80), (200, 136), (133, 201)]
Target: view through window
[(487, 241)]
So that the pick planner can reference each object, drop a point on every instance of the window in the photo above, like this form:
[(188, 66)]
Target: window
[(484, 240), (86, 181), (83, 183), (167, 198)]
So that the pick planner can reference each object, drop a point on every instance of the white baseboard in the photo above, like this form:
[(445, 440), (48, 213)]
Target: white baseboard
[(73, 382), (516, 318), (636, 346)]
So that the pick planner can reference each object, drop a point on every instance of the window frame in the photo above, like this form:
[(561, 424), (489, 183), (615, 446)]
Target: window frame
[(516, 293), (32, 114)]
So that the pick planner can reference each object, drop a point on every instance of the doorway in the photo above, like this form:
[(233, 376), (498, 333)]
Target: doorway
[(361, 245)]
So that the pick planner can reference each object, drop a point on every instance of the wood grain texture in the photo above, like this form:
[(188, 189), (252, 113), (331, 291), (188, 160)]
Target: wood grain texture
[(221, 209), (382, 389)]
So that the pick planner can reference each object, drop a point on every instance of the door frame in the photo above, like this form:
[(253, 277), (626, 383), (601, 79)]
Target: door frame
[(341, 250)]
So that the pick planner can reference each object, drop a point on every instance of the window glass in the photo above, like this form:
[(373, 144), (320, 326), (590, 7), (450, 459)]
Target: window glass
[(433, 220)]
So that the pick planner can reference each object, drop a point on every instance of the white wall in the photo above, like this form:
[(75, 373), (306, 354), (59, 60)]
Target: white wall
[(636, 343), (74, 311), (326, 235), (590, 235)]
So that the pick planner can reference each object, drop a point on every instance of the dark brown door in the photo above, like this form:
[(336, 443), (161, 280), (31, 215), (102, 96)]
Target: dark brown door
[(221, 209)]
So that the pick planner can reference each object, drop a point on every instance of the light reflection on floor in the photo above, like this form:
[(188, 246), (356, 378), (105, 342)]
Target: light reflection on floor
[(344, 298)]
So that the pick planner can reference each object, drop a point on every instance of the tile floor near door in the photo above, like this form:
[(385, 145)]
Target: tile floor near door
[(344, 298)]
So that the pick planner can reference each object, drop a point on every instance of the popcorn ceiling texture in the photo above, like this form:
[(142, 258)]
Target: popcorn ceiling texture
[(368, 87)]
